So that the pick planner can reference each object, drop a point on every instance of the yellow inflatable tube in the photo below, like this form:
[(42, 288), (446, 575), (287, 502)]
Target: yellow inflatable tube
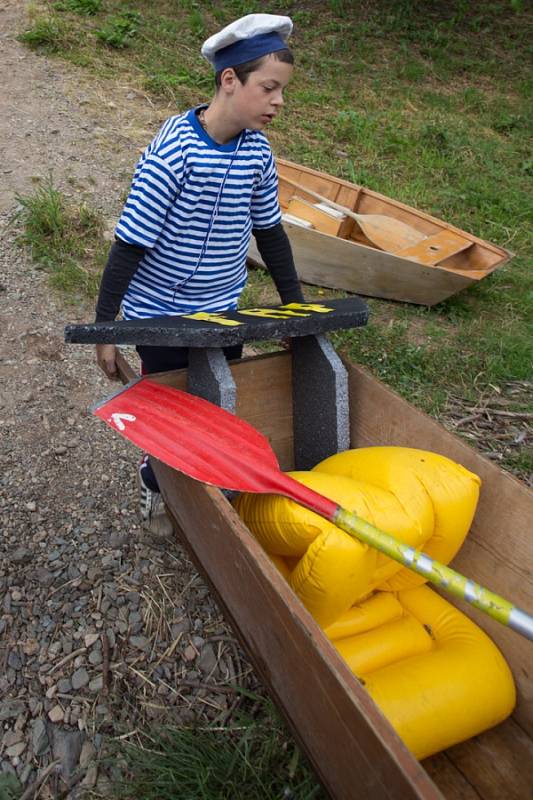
[(458, 688), (439, 493), (435, 675)]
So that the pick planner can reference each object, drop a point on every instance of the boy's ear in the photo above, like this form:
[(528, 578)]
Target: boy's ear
[(228, 80)]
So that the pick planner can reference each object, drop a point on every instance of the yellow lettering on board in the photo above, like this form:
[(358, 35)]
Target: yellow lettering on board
[(308, 307), (271, 313), (206, 316)]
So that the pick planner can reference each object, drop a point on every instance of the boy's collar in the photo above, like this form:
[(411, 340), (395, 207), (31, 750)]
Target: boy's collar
[(227, 147)]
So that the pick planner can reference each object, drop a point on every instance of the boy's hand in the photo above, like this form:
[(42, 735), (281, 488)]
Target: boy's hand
[(106, 359)]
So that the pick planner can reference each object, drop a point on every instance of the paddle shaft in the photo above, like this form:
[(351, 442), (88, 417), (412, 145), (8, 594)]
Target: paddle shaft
[(439, 574)]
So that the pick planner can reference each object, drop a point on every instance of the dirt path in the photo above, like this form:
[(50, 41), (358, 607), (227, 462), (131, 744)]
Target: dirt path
[(54, 120), (87, 607)]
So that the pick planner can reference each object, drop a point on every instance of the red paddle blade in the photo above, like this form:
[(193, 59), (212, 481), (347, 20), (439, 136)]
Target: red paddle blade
[(192, 435), (203, 441)]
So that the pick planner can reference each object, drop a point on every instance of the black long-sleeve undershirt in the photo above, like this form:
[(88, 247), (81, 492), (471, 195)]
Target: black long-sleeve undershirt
[(275, 250), (273, 245)]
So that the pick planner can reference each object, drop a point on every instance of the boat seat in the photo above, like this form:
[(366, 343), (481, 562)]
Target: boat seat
[(434, 249), (417, 655), (321, 216)]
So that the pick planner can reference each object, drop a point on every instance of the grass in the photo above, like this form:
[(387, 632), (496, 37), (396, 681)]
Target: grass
[(252, 758), (65, 239)]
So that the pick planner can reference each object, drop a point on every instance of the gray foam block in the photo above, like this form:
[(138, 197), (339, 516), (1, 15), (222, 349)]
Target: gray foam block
[(209, 376), (321, 416)]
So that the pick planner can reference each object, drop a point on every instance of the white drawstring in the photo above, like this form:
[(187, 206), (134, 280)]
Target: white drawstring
[(212, 220)]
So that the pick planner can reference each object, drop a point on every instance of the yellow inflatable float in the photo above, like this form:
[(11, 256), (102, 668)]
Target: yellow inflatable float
[(435, 675)]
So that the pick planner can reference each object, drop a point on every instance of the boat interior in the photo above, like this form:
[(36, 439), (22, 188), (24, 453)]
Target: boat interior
[(433, 243)]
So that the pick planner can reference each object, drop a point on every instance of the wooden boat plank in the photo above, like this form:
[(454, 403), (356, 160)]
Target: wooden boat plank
[(449, 778), (341, 264), (502, 757), (348, 197)]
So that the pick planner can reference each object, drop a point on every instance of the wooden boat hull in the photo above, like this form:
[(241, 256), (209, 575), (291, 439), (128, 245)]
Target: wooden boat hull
[(354, 750), (355, 266)]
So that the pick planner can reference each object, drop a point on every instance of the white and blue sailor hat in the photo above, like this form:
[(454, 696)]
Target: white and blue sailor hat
[(246, 39)]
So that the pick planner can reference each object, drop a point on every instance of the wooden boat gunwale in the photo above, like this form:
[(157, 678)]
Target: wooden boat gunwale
[(353, 748)]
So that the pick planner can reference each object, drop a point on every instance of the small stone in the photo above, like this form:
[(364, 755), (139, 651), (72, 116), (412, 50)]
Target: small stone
[(10, 709), (90, 639), (31, 647), (66, 747), (96, 684), (88, 752), (21, 555), (39, 737), (15, 750), (141, 642), (56, 714), (64, 686), (189, 654), (14, 660), (31, 506), (95, 657), (12, 737), (80, 678), (16, 595), (118, 539), (207, 661), (25, 774), (35, 706), (91, 776), (183, 626)]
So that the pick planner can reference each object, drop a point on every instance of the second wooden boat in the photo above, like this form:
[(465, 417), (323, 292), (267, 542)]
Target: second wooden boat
[(413, 257)]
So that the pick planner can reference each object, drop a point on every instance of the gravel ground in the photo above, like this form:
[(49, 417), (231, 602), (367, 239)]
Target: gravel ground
[(102, 630)]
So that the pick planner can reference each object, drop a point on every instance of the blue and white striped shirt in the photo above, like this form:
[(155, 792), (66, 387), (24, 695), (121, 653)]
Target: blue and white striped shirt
[(192, 205)]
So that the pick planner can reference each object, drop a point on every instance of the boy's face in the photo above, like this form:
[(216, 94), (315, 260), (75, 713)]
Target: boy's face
[(255, 103)]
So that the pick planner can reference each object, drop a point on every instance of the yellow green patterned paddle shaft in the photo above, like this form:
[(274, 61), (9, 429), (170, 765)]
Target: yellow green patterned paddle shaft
[(442, 576)]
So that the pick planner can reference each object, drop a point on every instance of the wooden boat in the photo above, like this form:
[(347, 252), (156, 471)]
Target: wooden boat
[(354, 750), (331, 250)]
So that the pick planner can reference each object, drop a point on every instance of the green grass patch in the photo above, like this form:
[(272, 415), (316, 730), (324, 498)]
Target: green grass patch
[(10, 788), (48, 35), (254, 758), (88, 7), (120, 30), (65, 239)]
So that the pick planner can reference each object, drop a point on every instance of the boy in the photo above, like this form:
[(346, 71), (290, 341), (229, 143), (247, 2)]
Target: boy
[(201, 188)]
